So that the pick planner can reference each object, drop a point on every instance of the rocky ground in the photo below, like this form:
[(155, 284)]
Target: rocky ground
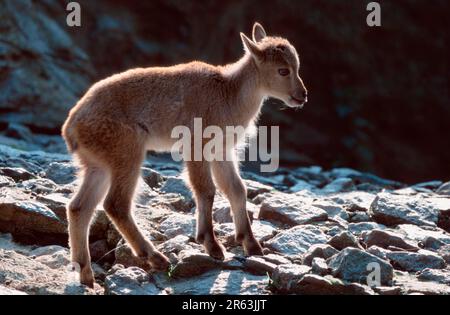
[(320, 230)]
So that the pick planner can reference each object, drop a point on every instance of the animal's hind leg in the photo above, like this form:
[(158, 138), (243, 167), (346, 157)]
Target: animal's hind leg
[(124, 176), (79, 214)]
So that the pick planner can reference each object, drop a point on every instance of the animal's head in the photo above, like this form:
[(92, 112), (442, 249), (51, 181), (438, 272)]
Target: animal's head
[(278, 64)]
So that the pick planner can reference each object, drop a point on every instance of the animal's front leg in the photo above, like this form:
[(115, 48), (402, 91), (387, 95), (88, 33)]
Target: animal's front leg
[(204, 190), (230, 183)]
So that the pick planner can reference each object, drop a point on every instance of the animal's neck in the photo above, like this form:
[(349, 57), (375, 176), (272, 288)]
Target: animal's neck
[(247, 95)]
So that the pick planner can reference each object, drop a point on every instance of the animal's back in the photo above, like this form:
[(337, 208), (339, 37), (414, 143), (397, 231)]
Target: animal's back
[(140, 99)]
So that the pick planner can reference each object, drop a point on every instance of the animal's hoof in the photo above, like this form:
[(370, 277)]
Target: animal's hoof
[(215, 250), (252, 248), (159, 262), (87, 277)]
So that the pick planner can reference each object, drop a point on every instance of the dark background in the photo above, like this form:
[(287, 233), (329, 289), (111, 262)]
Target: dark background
[(379, 97)]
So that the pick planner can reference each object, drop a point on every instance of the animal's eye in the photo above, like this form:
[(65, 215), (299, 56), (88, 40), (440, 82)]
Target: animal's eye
[(283, 72)]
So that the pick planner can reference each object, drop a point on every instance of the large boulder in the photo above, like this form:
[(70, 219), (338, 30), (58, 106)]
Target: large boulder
[(386, 239), (291, 210), (317, 285), (26, 274), (414, 262), (297, 240), (355, 265), (130, 281), (29, 220), (285, 277), (419, 209)]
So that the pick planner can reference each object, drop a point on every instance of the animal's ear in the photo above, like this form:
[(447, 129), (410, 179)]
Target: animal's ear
[(258, 32), (251, 47)]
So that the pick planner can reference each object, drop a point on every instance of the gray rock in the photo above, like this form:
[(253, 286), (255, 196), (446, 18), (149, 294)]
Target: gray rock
[(444, 252), (335, 230), (177, 186), (255, 188), (130, 281), (229, 282), (193, 263), (18, 131), (311, 174), (332, 208), (276, 259), (338, 185), (429, 185), (364, 178), (276, 181), (7, 291), (358, 228), (259, 265), (55, 257), (29, 220), (57, 202), (177, 244), (420, 234), (7, 243), (61, 172), (378, 251), (17, 173), (100, 251), (6, 181), (352, 264), (410, 284), (25, 274), (39, 185), (151, 177), (312, 284), (318, 250), (414, 262), (435, 275), (359, 216), (297, 240), (178, 224), (319, 266), (344, 240), (420, 209), (346, 172), (354, 200), (46, 250), (385, 239), (388, 290), (290, 210), (432, 243), (300, 185), (444, 189), (285, 277)]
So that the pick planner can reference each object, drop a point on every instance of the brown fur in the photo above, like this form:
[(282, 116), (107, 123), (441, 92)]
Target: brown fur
[(121, 117)]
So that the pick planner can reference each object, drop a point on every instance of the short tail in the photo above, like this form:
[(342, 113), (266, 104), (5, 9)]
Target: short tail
[(69, 136)]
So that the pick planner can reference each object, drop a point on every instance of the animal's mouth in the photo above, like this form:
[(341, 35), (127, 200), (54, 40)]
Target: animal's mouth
[(297, 102)]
